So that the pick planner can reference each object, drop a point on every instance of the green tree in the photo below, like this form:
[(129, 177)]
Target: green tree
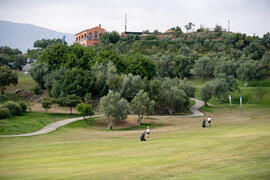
[(174, 99), (182, 66), (220, 89), (74, 57), (43, 43), (254, 50), (206, 92), (4, 59), (70, 101), (47, 103), (249, 70), (141, 65), (110, 37), (7, 77), (75, 81), (54, 55), (204, 67), (265, 61), (189, 26), (266, 40), (14, 108), (52, 81), (88, 98), (114, 107), (141, 104), (19, 61), (227, 67), (38, 71), (177, 31), (84, 110), (130, 86), (259, 93)]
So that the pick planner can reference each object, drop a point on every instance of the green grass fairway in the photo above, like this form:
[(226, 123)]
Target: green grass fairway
[(30, 122), (236, 147)]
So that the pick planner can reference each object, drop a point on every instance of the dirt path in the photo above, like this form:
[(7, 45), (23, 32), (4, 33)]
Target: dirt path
[(53, 126)]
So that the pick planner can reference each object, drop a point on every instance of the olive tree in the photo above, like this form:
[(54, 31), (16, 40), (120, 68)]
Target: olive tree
[(114, 107), (38, 71), (204, 67), (174, 99), (206, 92), (7, 77), (71, 101), (141, 104), (46, 103), (249, 70), (130, 86)]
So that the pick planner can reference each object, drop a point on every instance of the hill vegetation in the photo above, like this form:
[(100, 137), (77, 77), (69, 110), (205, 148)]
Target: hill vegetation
[(157, 66)]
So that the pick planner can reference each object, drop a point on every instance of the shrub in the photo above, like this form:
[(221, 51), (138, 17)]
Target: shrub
[(36, 89), (84, 109), (4, 113), (14, 108), (23, 105), (47, 103)]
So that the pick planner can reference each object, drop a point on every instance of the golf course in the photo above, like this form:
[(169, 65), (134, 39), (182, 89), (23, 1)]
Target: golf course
[(235, 147)]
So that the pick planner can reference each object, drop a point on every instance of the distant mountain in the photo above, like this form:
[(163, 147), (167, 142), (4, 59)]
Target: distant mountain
[(23, 36)]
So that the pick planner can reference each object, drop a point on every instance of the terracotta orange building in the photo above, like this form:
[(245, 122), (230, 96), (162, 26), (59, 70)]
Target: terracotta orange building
[(90, 36)]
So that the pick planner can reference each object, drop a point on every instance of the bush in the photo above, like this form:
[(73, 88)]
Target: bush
[(23, 105), (47, 103), (14, 108), (36, 89), (4, 113), (84, 109)]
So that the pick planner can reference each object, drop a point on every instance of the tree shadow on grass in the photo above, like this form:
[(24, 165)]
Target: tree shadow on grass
[(142, 126)]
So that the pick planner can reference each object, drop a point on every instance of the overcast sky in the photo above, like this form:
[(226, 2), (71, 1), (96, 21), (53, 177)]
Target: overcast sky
[(73, 16)]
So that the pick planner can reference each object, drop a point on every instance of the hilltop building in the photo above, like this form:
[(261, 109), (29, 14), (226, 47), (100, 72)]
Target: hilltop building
[(90, 36)]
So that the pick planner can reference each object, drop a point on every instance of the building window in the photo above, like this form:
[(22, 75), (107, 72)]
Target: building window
[(100, 35), (95, 35), (90, 36)]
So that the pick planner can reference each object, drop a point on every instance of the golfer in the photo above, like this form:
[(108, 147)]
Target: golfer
[(209, 121), (142, 136), (148, 133)]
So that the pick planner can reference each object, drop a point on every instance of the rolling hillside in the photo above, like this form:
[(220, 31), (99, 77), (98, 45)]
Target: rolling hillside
[(22, 36)]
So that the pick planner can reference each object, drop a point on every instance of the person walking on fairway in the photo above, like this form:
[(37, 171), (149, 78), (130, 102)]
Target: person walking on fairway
[(148, 133), (143, 136), (209, 121), (203, 123)]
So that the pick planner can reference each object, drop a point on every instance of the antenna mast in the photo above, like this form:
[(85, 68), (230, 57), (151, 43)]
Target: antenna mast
[(229, 26), (125, 22)]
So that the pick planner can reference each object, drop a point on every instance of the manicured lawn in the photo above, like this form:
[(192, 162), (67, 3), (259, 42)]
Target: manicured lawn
[(237, 146), (30, 122)]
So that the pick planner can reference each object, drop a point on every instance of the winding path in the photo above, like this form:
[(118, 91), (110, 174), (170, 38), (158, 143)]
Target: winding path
[(194, 109), (53, 126)]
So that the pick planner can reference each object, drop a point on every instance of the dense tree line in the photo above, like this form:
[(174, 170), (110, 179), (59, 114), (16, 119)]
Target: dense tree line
[(12, 57), (144, 75)]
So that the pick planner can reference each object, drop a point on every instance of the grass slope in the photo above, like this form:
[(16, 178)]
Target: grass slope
[(236, 147), (30, 122)]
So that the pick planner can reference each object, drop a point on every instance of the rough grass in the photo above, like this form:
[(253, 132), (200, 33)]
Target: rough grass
[(236, 147), (247, 93), (25, 82), (30, 122)]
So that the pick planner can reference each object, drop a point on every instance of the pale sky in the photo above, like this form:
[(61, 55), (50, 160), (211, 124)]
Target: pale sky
[(73, 16)]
